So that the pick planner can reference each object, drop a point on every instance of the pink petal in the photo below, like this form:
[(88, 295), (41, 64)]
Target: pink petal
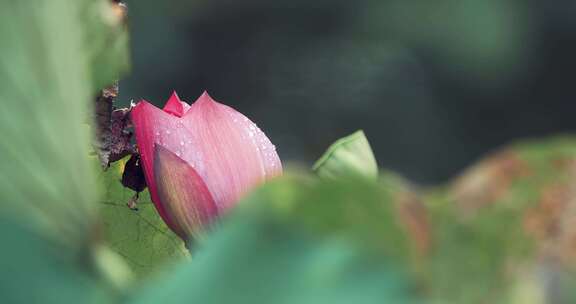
[(175, 106), (151, 125), (183, 194), (229, 151)]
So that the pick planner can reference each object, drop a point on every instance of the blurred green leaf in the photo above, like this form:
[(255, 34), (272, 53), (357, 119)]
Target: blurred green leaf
[(34, 271), (45, 91), (412, 211), (111, 267), (348, 156), (47, 189), (139, 236), (353, 208), (475, 261), (297, 241), (106, 41)]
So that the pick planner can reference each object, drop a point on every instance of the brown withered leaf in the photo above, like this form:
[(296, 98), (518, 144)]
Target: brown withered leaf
[(535, 179), (489, 180), (552, 220), (113, 137)]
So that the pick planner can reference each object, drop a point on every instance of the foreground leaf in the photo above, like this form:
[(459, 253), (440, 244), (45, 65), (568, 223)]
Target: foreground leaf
[(106, 41), (47, 190), (46, 91), (33, 271), (298, 241)]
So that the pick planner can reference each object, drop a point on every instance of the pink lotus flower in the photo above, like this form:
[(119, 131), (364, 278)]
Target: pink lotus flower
[(200, 159)]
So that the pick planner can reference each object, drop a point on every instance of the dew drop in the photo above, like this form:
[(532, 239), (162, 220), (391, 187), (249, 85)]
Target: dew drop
[(167, 131), (251, 134), (182, 143), (157, 133), (178, 153)]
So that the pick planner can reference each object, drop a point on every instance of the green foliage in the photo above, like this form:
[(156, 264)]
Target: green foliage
[(139, 236), (349, 207), (47, 190), (349, 156), (472, 258), (44, 91), (34, 271), (106, 42), (297, 241)]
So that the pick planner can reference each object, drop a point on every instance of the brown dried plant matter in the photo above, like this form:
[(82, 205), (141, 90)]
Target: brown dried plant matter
[(113, 137), (488, 181), (552, 220)]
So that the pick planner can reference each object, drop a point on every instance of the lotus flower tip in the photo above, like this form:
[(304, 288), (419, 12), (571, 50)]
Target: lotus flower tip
[(205, 98)]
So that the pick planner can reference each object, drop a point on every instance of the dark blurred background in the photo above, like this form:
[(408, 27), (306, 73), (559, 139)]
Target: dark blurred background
[(434, 84)]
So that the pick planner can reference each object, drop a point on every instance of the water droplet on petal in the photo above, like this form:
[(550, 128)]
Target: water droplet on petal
[(181, 142), (251, 134), (157, 133), (167, 131)]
